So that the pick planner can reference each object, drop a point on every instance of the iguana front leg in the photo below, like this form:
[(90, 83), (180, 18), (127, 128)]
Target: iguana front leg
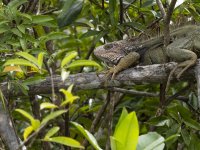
[(131, 59)]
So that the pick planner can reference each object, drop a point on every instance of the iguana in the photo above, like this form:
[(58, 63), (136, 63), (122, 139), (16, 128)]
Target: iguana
[(184, 48)]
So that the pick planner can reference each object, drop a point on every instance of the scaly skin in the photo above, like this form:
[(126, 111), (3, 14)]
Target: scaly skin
[(184, 49)]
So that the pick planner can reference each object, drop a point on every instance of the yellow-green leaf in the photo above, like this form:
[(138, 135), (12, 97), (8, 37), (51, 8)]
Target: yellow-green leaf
[(35, 124), (40, 59), (53, 115), (25, 114), (22, 62), (47, 106), (68, 58), (28, 57), (91, 139), (51, 132), (69, 97), (65, 141), (27, 132), (127, 132), (79, 63)]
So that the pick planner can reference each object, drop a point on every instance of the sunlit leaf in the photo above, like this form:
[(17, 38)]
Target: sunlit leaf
[(65, 141), (25, 114), (68, 58), (91, 139), (18, 61), (28, 57), (127, 131), (27, 132), (47, 105), (40, 59), (35, 124), (69, 97), (53, 115), (79, 63), (51, 132)]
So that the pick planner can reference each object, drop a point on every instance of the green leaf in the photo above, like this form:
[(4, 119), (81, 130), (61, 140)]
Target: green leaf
[(33, 80), (25, 114), (16, 3), (70, 11), (79, 63), (35, 124), (53, 115), (37, 19), (53, 36), (191, 123), (47, 105), (151, 141), (40, 59), (27, 132), (51, 132), (68, 58), (87, 135), (65, 141), (28, 57), (127, 131)]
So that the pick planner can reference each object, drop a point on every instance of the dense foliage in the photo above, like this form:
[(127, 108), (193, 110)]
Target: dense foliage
[(41, 39)]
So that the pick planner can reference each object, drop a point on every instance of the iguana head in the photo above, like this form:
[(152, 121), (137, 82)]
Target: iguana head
[(111, 53)]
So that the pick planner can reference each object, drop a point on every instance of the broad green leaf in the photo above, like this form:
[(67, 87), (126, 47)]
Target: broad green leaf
[(40, 59), (123, 115), (69, 89), (191, 123), (27, 132), (114, 143), (51, 132), (18, 61), (65, 141), (151, 141), (28, 57), (16, 3), (23, 43), (47, 105), (53, 115), (127, 131), (16, 32), (53, 36), (34, 80), (70, 11), (37, 19), (21, 28), (113, 10), (68, 58), (79, 63), (87, 135)]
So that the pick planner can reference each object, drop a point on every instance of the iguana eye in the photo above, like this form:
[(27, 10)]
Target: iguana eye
[(108, 46)]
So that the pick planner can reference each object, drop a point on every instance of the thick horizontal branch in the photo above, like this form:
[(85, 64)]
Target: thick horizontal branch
[(138, 75)]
